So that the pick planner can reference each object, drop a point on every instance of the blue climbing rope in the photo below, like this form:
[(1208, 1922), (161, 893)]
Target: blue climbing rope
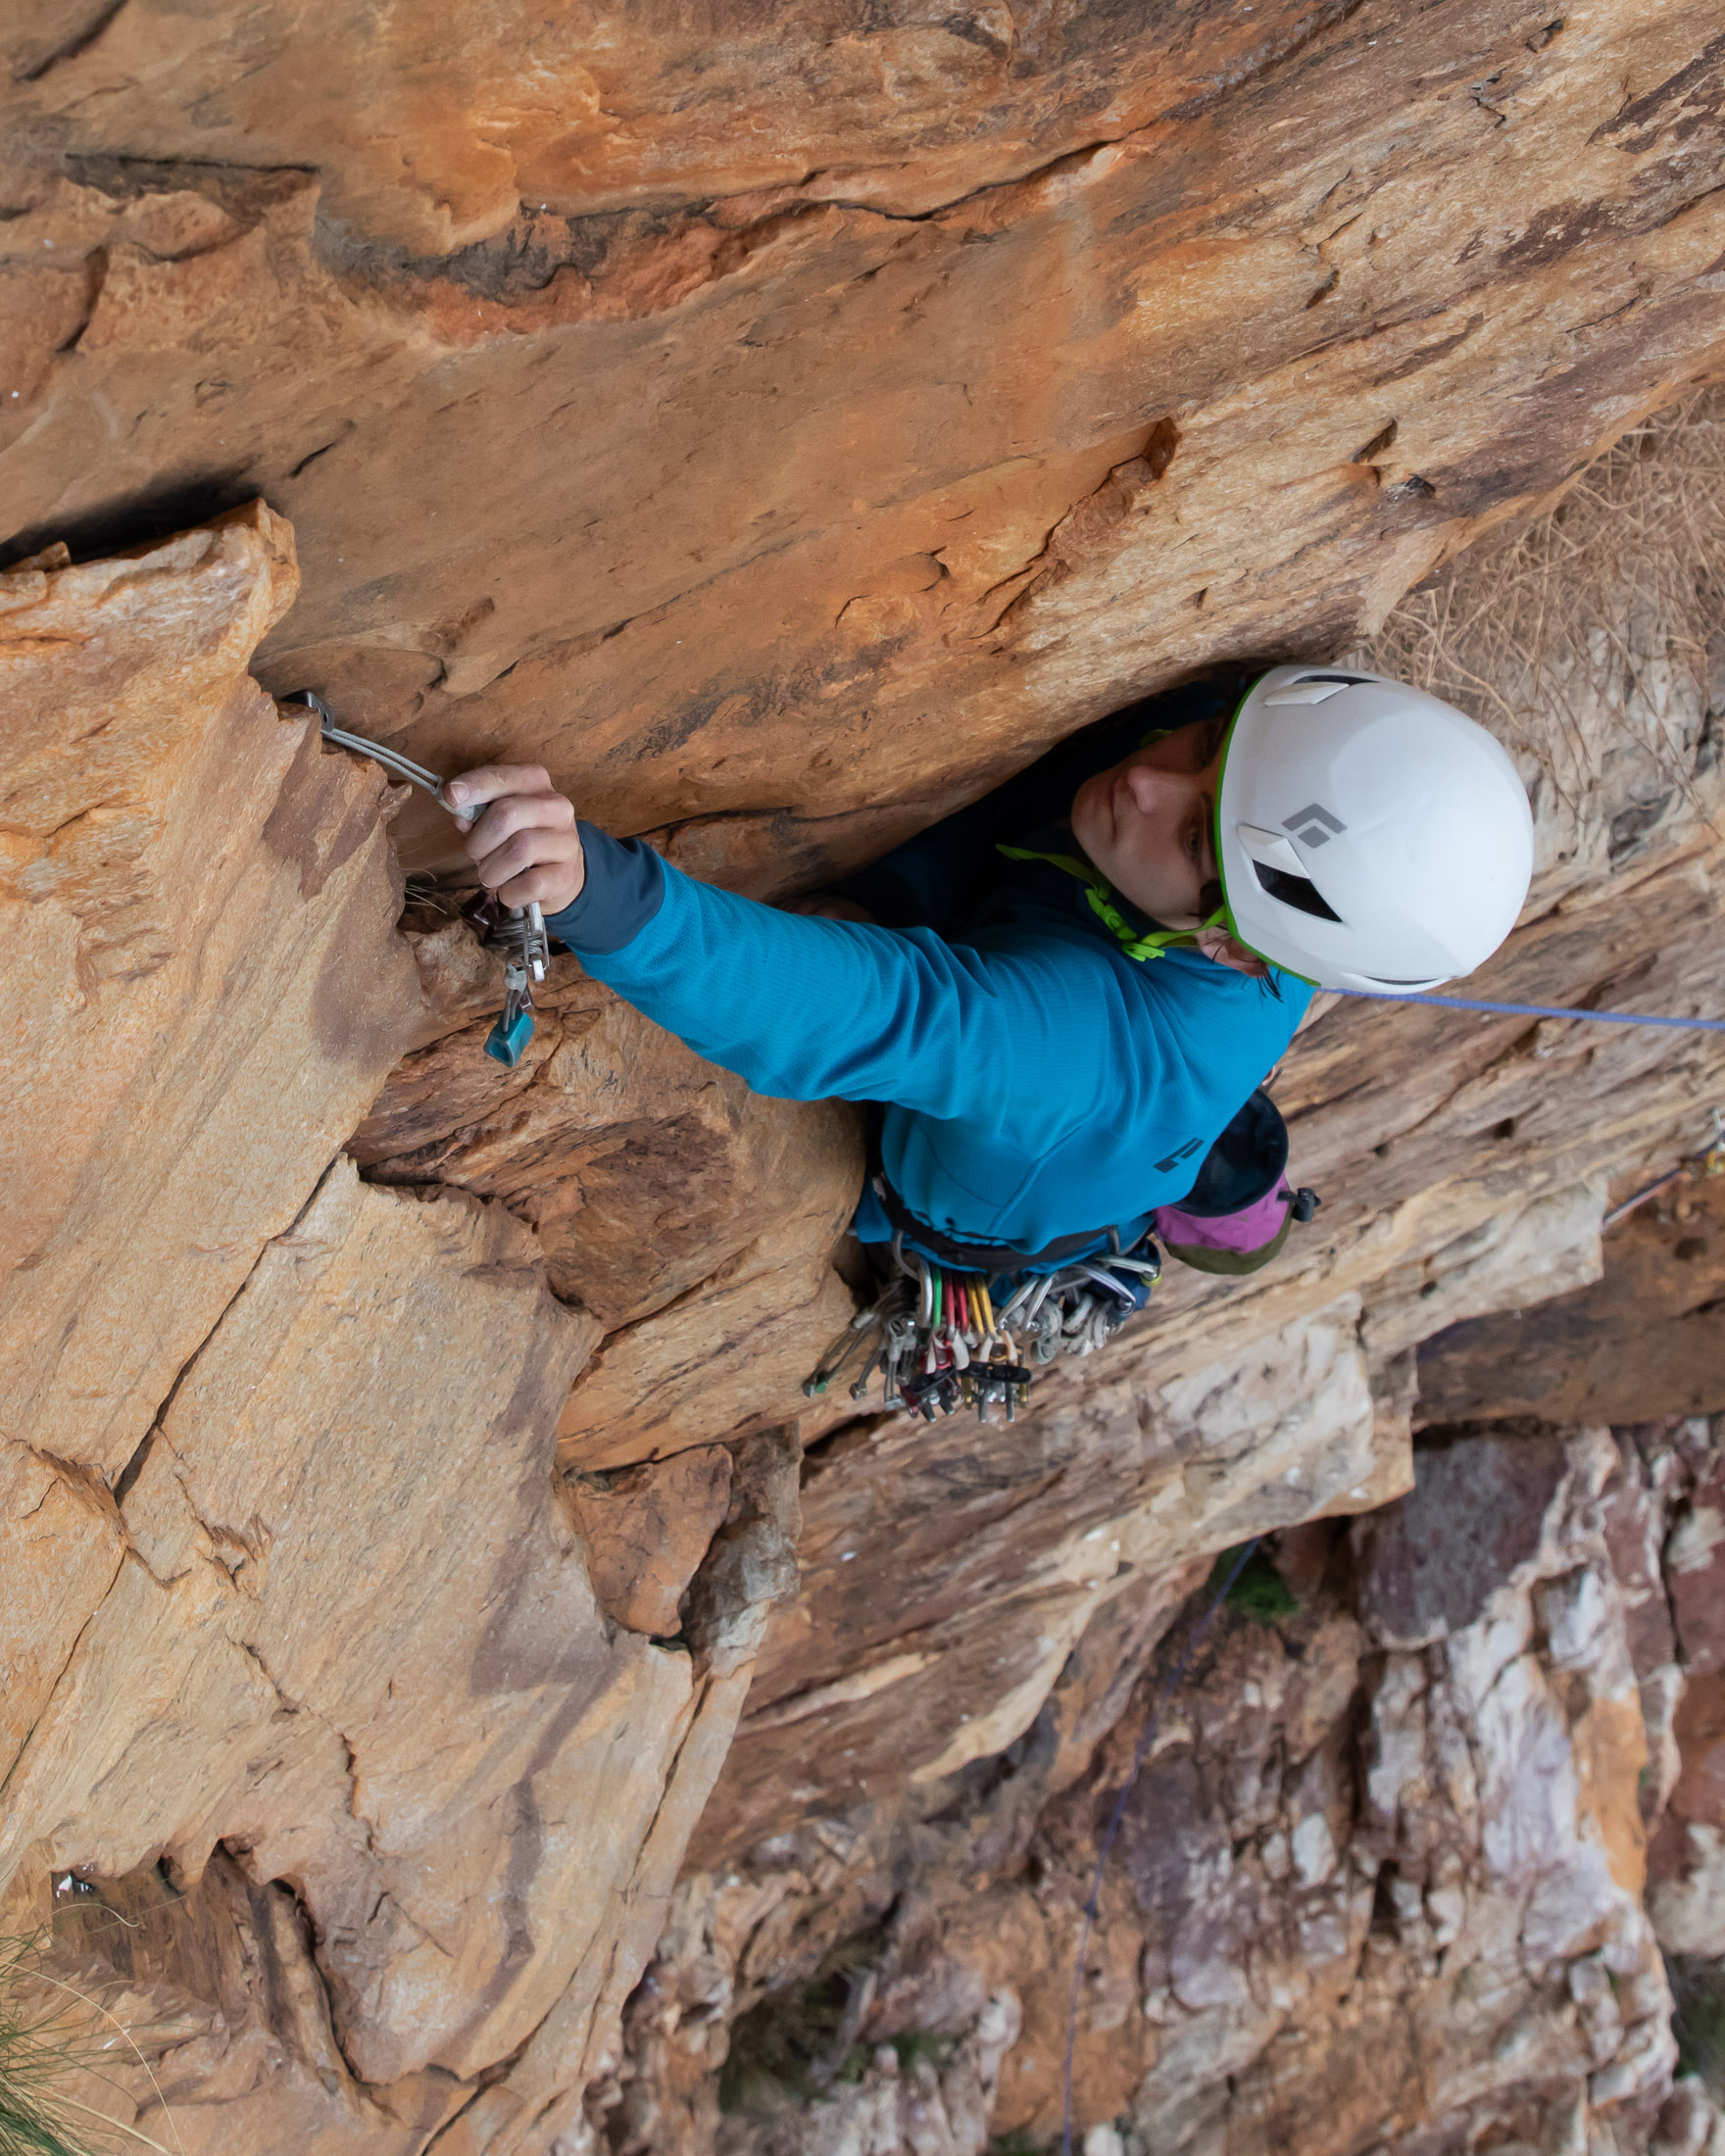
[(1543, 1010)]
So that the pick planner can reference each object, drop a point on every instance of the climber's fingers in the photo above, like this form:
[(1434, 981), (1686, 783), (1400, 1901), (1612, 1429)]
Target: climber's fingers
[(551, 884), (538, 861), (521, 849), (468, 793), (489, 781), (513, 813), (522, 834)]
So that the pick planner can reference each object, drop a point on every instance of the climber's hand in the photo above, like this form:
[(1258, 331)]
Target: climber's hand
[(522, 832)]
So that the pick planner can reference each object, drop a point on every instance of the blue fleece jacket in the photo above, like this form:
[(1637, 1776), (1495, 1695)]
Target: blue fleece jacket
[(1035, 1082)]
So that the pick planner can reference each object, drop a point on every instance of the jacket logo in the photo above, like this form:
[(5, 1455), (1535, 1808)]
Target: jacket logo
[(1167, 1166), (1313, 826)]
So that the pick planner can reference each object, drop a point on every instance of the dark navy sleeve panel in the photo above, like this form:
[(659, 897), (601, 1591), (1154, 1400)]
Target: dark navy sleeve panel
[(623, 892), (934, 879)]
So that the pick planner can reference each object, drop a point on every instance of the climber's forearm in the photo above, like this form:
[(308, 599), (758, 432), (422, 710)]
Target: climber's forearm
[(621, 892), (801, 1006)]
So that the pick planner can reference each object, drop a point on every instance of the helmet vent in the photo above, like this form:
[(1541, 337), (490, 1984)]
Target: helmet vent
[(1295, 891), (1313, 688)]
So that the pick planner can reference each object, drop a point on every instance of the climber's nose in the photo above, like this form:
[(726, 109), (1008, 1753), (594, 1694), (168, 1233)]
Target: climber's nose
[(1159, 797)]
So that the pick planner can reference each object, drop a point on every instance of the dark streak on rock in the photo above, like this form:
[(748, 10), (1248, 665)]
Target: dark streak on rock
[(305, 462), (95, 269), (1428, 355), (68, 48), (136, 521), (1375, 448), (1646, 114)]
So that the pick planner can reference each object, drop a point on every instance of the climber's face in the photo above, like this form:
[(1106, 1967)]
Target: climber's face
[(1149, 823)]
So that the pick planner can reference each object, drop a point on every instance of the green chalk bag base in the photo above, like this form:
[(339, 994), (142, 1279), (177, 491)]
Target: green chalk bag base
[(1203, 1259)]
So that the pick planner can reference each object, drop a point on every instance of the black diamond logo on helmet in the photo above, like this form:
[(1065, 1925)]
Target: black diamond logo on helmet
[(1313, 826)]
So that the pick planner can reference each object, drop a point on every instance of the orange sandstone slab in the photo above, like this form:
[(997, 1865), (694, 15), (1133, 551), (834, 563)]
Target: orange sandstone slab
[(204, 985)]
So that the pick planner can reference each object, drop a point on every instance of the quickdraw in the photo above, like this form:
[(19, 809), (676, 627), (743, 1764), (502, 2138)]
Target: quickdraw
[(941, 1342), (517, 931)]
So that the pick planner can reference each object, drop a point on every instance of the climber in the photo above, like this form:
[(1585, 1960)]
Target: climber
[(1058, 1018)]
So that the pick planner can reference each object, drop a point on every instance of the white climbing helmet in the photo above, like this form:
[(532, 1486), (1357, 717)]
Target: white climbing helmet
[(1368, 836)]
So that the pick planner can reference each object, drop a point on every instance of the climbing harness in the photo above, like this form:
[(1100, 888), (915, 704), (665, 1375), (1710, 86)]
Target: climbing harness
[(940, 1342), (961, 1323), (517, 931)]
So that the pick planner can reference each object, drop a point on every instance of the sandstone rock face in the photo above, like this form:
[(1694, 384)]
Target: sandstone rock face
[(648, 1528), (1379, 1883), (1590, 1351), (220, 1984), (947, 1573), (991, 370), (643, 1169), (782, 427), (470, 1680), (205, 976), (287, 1573), (1687, 1856), (689, 1214)]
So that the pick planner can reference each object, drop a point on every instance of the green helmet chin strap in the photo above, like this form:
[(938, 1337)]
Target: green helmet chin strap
[(1154, 942)]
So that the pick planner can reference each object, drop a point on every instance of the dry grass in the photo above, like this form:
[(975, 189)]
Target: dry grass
[(37, 2046), (53, 2041), (1585, 638)]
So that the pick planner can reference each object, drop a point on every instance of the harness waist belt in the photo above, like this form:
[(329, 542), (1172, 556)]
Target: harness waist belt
[(978, 1258)]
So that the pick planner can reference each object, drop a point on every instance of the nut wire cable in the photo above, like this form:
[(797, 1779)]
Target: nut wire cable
[(391, 759), (521, 930), (1104, 1849)]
